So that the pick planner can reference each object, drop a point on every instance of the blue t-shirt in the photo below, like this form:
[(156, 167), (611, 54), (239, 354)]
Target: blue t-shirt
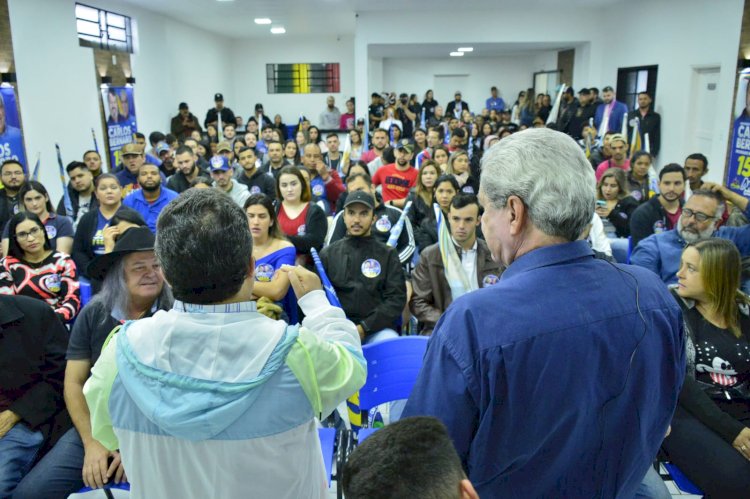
[(266, 267), (97, 242)]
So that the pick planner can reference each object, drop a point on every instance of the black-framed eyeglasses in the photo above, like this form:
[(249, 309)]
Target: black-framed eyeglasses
[(24, 236), (699, 216)]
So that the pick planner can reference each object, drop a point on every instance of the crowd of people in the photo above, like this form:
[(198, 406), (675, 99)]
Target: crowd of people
[(419, 208)]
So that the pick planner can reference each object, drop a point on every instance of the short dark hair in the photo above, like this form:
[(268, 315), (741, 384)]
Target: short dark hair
[(460, 133), (389, 155), (605, 89), (75, 164), (33, 185), (156, 137), (594, 90), (379, 130), (246, 148), (363, 176), (127, 215), (204, 225), (228, 124), (139, 135), (672, 168), (293, 170), (645, 93), (12, 162), (413, 457), (200, 179), (464, 199), (639, 154), (105, 176), (90, 151), (14, 249), (183, 150), (450, 179), (331, 134), (170, 139), (700, 157), (440, 131)]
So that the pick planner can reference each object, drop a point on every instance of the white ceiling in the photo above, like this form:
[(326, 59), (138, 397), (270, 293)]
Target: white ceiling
[(316, 17), (441, 50)]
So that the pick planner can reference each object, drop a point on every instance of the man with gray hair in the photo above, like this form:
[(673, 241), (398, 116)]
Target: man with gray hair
[(561, 379), (213, 399), (700, 218)]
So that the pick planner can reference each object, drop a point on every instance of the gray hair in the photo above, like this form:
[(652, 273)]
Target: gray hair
[(204, 245), (551, 175), (114, 295)]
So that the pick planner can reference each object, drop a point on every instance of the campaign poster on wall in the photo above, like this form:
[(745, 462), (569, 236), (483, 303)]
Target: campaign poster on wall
[(738, 171), (119, 110), (11, 137)]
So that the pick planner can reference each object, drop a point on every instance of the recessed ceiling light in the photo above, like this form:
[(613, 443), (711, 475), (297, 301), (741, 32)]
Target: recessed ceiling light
[(466, 49), (262, 20), (457, 54), (278, 30)]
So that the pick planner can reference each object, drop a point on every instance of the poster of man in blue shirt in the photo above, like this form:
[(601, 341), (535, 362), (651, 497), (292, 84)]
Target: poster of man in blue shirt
[(121, 119), (11, 140), (738, 172)]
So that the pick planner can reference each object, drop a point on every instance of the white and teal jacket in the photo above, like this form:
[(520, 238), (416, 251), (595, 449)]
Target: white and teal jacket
[(219, 400)]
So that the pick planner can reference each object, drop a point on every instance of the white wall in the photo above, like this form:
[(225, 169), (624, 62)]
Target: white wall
[(248, 75), (510, 74), (58, 85)]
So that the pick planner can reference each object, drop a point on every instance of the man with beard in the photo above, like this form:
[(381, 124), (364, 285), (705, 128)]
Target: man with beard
[(151, 198), (379, 141), (275, 160), (81, 191), (661, 212), (93, 162), (132, 159), (13, 178), (166, 158), (184, 123), (700, 217), (618, 145), (399, 177), (256, 181), (187, 169)]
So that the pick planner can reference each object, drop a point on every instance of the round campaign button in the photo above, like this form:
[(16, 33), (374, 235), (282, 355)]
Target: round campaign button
[(318, 190), (383, 224), (51, 231), (264, 272), (659, 227), (53, 283), (489, 280), (370, 268), (255, 190), (468, 189), (301, 230)]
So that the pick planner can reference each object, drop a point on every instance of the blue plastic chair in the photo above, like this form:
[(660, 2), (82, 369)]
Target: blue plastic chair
[(85, 290), (681, 480), (392, 369)]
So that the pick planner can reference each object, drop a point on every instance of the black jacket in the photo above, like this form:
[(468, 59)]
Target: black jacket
[(227, 116), (647, 219), (260, 183), (75, 201), (7, 207), (620, 215), (368, 279), (649, 124), (32, 360), (83, 248)]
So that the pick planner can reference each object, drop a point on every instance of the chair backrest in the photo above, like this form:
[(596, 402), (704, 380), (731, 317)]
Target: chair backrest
[(392, 369)]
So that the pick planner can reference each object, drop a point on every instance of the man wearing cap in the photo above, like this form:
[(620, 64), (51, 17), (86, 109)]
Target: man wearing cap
[(456, 106), (366, 273), (132, 160), (213, 114), (79, 458), (495, 102), (222, 174), (252, 177), (397, 178), (432, 293), (224, 149), (259, 116), (185, 123), (151, 198), (618, 145), (330, 117), (164, 152)]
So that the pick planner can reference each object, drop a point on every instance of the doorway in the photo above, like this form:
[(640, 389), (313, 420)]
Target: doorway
[(702, 121)]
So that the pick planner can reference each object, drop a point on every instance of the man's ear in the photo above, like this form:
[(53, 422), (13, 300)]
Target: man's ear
[(518, 215)]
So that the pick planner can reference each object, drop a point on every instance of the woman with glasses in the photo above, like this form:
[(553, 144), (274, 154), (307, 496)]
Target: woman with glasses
[(710, 438), (33, 269)]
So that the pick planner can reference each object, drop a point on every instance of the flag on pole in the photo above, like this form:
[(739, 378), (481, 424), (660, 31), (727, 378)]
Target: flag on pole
[(423, 122), (624, 128), (96, 145), (552, 118), (219, 129), (635, 139), (66, 194), (35, 174), (366, 137)]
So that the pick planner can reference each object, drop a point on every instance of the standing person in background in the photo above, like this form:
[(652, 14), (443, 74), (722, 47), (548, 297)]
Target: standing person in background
[(610, 113), (331, 116), (346, 122), (429, 104), (649, 122), (185, 123), (213, 114), (495, 102)]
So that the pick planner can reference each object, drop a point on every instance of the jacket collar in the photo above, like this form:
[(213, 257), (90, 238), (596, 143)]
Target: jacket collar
[(548, 256)]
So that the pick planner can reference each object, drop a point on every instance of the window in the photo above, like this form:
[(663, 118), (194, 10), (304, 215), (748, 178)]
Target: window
[(631, 81), (103, 29), (303, 78)]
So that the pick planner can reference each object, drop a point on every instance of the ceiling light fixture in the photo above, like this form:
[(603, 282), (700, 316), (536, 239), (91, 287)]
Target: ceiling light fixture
[(466, 49), (262, 20), (457, 54), (278, 30)]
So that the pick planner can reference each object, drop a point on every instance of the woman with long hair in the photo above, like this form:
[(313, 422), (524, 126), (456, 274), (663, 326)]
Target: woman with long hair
[(291, 152), (271, 250), (614, 205), (303, 222), (423, 194), (353, 151), (528, 110), (35, 199), (32, 268), (459, 167), (313, 137), (441, 156), (446, 188), (710, 437), (429, 104), (638, 176)]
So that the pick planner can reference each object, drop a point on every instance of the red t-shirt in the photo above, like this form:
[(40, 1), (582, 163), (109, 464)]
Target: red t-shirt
[(293, 226), (673, 218), (396, 183)]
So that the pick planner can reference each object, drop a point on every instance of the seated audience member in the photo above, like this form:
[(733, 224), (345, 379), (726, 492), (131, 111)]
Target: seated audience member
[(256, 180), (91, 235), (352, 151), (594, 234), (386, 217), (614, 204), (80, 190), (325, 184), (59, 228), (618, 145), (152, 197), (93, 162), (275, 161), (291, 155), (132, 159), (32, 268), (366, 274), (187, 169), (441, 156), (221, 173), (166, 159), (639, 176), (271, 251), (661, 212), (224, 149), (458, 166), (412, 458), (379, 143), (700, 218), (696, 167), (31, 384), (140, 140), (314, 137), (295, 373), (399, 177), (13, 177), (713, 414), (133, 288), (423, 193), (469, 261), (446, 187), (303, 222), (332, 158)]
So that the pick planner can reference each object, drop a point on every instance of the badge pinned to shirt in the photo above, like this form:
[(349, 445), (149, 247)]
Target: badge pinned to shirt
[(659, 227), (383, 224), (264, 272), (53, 283), (489, 280), (370, 268), (318, 190), (255, 190), (468, 189), (51, 231), (301, 230)]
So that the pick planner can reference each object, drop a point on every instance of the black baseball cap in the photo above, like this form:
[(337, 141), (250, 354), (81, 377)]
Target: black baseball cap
[(360, 197), (183, 105), (218, 97)]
